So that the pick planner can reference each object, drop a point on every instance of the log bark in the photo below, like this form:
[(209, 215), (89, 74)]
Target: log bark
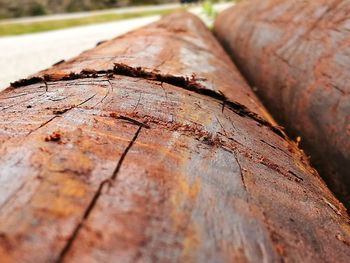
[(296, 54), (152, 148)]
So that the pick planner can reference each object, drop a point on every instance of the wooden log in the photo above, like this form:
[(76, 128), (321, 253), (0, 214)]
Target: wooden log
[(296, 54), (127, 162)]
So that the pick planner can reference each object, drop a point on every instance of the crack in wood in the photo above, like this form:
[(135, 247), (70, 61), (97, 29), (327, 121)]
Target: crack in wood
[(62, 111), (186, 83), (58, 113), (108, 182), (42, 125)]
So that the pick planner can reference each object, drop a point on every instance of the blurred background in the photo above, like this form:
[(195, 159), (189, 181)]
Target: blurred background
[(34, 34), (19, 8)]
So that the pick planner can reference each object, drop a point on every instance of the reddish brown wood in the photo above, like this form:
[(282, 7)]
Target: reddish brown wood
[(296, 54), (125, 164)]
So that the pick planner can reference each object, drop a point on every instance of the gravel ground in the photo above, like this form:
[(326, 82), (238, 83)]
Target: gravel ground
[(27, 54)]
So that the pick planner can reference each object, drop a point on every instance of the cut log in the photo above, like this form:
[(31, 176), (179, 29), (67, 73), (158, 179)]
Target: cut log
[(158, 155), (296, 54)]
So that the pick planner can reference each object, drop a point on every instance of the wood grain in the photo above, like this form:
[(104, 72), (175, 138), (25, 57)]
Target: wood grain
[(103, 167), (296, 55)]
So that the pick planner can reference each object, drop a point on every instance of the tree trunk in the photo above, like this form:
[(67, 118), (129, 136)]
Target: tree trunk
[(296, 54), (152, 148)]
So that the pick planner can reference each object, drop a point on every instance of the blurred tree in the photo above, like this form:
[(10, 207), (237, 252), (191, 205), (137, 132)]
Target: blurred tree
[(36, 9), (18, 8)]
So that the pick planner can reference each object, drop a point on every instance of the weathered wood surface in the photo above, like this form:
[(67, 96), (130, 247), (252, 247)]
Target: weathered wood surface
[(190, 53), (104, 167), (296, 53)]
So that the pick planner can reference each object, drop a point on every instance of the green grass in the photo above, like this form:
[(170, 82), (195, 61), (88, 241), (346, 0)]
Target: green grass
[(208, 9), (25, 28)]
